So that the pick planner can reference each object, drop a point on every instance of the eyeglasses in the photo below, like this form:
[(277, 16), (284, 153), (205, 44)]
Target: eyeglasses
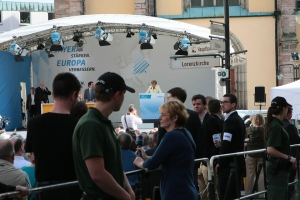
[(162, 115), (224, 102)]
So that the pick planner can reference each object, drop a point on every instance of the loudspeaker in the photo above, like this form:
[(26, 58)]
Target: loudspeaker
[(259, 95)]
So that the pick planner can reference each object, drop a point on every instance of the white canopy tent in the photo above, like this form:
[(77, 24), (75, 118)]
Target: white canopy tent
[(291, 92)]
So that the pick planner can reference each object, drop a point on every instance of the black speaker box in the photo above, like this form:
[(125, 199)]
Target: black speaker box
[(259, 95)]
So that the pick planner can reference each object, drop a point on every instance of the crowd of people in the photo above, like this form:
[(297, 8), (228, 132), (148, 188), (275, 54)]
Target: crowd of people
[(72, 142)]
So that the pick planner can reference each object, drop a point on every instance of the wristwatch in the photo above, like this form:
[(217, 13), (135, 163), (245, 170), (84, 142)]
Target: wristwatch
[(289, 158)]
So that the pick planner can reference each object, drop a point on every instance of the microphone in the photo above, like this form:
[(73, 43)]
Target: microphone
[(139, 143)]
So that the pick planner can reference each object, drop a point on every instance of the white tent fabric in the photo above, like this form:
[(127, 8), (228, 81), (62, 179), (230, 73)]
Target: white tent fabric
[(75, 22), (291, 92)]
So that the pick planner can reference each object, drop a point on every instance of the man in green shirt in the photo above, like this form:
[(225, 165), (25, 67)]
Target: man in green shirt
[(96, 150)]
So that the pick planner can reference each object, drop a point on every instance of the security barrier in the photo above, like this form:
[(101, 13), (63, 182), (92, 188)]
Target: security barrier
[(211, 186)]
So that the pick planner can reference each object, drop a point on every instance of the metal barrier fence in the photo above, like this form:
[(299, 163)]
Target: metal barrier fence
[(211, 185)]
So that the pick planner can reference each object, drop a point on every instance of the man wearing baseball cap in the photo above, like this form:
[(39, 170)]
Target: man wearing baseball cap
[(96, 150)]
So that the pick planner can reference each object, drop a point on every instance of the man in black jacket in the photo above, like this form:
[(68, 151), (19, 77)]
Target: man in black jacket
[(41, 96), (209, 129), (294, 139), (193, 125), (30, 104), (232, 141)]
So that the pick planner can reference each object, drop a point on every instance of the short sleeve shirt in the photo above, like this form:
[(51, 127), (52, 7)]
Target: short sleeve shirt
[(278, 137), (94, 135)]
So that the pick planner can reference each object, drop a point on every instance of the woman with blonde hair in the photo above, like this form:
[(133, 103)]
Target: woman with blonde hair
[(154, 88), (30, 170), (255, 132), (175, 154)]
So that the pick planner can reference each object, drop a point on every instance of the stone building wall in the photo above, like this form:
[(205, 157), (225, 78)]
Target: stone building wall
[(67, 8), (286, 30)]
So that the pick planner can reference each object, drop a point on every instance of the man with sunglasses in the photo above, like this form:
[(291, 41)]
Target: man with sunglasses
[(232, 141)]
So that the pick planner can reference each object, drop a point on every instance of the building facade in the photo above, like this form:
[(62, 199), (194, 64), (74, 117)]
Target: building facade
[(15, 14)]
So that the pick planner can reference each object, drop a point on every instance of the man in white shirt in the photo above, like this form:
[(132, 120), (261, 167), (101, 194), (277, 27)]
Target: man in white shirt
[(10, 175), (30, 104), (19, 161), (131, 119)]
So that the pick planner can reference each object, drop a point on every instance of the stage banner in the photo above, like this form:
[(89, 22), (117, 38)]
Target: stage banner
[(150, 103)]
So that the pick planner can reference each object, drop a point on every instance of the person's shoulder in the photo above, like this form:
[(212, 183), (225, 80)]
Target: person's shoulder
[(192, 112)]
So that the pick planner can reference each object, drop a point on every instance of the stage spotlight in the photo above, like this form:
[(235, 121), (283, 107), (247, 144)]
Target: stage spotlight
[(129, 34), (295, 56), (182, 46), (146, 40), (56, 41), (40, 46), (78, 38), (16, 50), (103, 37), (48, 51)]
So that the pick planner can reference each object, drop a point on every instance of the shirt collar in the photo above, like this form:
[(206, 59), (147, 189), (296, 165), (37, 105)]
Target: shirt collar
[(202, 119), (226, 117)]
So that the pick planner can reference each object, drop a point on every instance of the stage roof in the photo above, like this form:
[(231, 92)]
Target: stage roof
[(29, 36)]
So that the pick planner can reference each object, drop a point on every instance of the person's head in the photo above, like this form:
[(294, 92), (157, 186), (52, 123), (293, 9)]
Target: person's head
[(125, 140), (146, 139), (176, 93), (111, 88), (229, 103), (18, 145), (118, 128), (42, 84), (214, 106), (199, 103), (66, 86), (279, 108), (131, 108), (258, 120), (32, 90), (208, 98), (31, 157), (153, 83), (289, 114), (6, 150), (79, 109), (91, 84), (131, 132), (154, 139), (173, 114)]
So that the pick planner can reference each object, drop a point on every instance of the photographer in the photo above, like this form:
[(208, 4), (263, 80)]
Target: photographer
[(131, 119), (278, 148)]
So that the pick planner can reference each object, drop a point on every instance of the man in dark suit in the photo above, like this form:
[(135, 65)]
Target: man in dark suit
[(232, 141), (89, 93), (210, 129), (294, 139), (30, 104), (214, 109), (41, 96), (193, 125)]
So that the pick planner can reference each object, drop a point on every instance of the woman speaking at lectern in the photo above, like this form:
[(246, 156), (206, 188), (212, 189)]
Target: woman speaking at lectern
[(154, 88)]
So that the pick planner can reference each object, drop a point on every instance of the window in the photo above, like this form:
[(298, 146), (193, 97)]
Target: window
[(195, 3), (50, 16), (25, 17), (230, 2), (208, 3)]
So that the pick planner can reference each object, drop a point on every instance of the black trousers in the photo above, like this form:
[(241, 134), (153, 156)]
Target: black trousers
[(225, 182)]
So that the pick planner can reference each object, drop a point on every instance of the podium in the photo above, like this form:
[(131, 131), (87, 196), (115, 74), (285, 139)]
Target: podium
[(47, 107), (149, 105)]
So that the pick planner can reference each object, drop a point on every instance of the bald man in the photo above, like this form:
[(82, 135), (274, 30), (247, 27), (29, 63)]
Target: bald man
[(41, 96)]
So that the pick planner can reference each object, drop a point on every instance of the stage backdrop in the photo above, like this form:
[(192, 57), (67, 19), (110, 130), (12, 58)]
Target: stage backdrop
[(12, 73), (123, 56)]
